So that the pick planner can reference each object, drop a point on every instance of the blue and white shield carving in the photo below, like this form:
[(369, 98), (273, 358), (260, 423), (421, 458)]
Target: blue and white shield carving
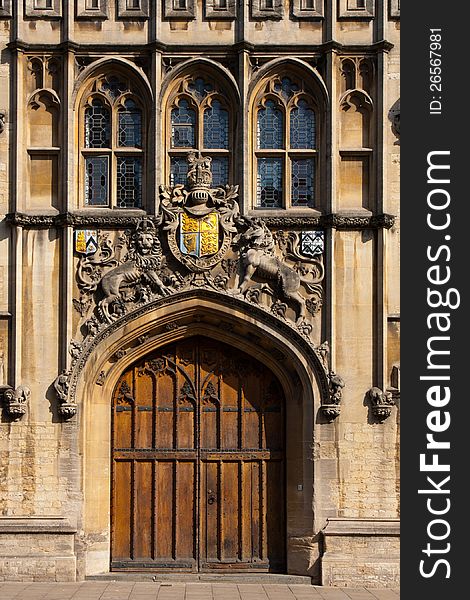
[(312, 243)]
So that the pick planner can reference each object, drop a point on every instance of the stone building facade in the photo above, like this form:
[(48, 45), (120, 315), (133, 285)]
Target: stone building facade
[(199, 301)]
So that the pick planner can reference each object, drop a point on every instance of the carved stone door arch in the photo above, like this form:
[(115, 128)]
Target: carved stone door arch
[(198, 461)]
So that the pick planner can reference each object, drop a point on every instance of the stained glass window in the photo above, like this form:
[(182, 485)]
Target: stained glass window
[(269, 185), (96, 180), (302, 178), (219, 171), (129, 182), (270, 127), (130, 125), (114, 86), (97, 126), (178, 170), (286, 87), (216, 126), (183, 126), (302, 126), (200, 87)]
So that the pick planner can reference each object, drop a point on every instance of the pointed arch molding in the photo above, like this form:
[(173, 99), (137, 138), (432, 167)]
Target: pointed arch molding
[(274, 66), (100, 359), (216, 69), (103, 65)]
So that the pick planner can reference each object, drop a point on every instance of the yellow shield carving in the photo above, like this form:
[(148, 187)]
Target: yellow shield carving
[(199, 236)]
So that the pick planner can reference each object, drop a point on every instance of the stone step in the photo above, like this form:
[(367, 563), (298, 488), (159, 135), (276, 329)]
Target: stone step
[(260, 578)]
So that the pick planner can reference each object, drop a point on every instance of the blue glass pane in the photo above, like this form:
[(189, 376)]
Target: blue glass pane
[(270, 126), (130, 125), (302, 191), (286, 88), (219, 171), (269, 183), (97, 126), (200, 87), (178, 170), (96, 181), (129, 182), (302, 126), (114, 86), (183, 126), (216, 126)]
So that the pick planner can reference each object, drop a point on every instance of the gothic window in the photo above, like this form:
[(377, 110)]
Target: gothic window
[(43, 8), (133, 9), (5, 8), (199, 121), (356, 9), (112, 146), (285, 154), (92, 9)]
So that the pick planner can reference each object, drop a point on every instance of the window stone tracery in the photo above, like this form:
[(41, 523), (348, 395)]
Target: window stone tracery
[(112, 145), (199, 120), (285, 145)]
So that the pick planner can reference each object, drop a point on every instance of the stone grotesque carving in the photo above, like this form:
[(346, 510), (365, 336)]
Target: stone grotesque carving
[(257, 255), (61, 385), (142, 265), (380, 402), (336, 384), (16, 401)]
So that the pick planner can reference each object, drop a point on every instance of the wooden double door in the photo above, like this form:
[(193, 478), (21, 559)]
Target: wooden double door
[(198, 462)]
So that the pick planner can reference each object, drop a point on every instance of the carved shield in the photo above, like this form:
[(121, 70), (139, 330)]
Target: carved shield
[(86, 241), (312, 243), (199, 236)]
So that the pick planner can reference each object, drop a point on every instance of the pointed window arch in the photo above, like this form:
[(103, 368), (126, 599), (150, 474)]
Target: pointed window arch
[(112, 144), (285, 144), (200, 119)]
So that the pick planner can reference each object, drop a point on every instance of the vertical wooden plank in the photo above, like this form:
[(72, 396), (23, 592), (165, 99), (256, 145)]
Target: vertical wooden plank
[(164, 509), (185, 525), (251, 411), (122, 510), (230, 542), (144, 402), (256, 500), (186, 431), (209, 500), (165, 412), (246, 510), (263, 516), (230, 411), (143, 510)]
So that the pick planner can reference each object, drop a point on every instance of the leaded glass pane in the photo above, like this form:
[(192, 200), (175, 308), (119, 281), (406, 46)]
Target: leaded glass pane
[(302, 190), (270, 126), (114, 86), (200, 87), (97, 126), (96, 181), (286, 87), (219, 171), (215, 126), (183, 126), (130, 125), (269, 183), (302, 126), (129, 182), (178, 170)]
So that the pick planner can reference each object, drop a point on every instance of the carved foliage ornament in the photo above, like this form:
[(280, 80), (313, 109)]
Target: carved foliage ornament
[(198, 239)]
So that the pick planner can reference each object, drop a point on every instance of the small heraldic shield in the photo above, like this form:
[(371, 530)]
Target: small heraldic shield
[(199, 236), (86, 241)]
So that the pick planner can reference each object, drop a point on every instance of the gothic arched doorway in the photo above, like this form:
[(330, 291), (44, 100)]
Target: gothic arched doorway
[(198, 459)]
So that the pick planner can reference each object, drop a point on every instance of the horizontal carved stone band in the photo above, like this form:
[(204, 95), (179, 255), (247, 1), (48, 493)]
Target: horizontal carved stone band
[(331, 221)]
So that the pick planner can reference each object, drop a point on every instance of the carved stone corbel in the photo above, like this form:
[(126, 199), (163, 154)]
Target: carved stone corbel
[(16, 401), (61, 385), (380, 403), (332, 408)]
